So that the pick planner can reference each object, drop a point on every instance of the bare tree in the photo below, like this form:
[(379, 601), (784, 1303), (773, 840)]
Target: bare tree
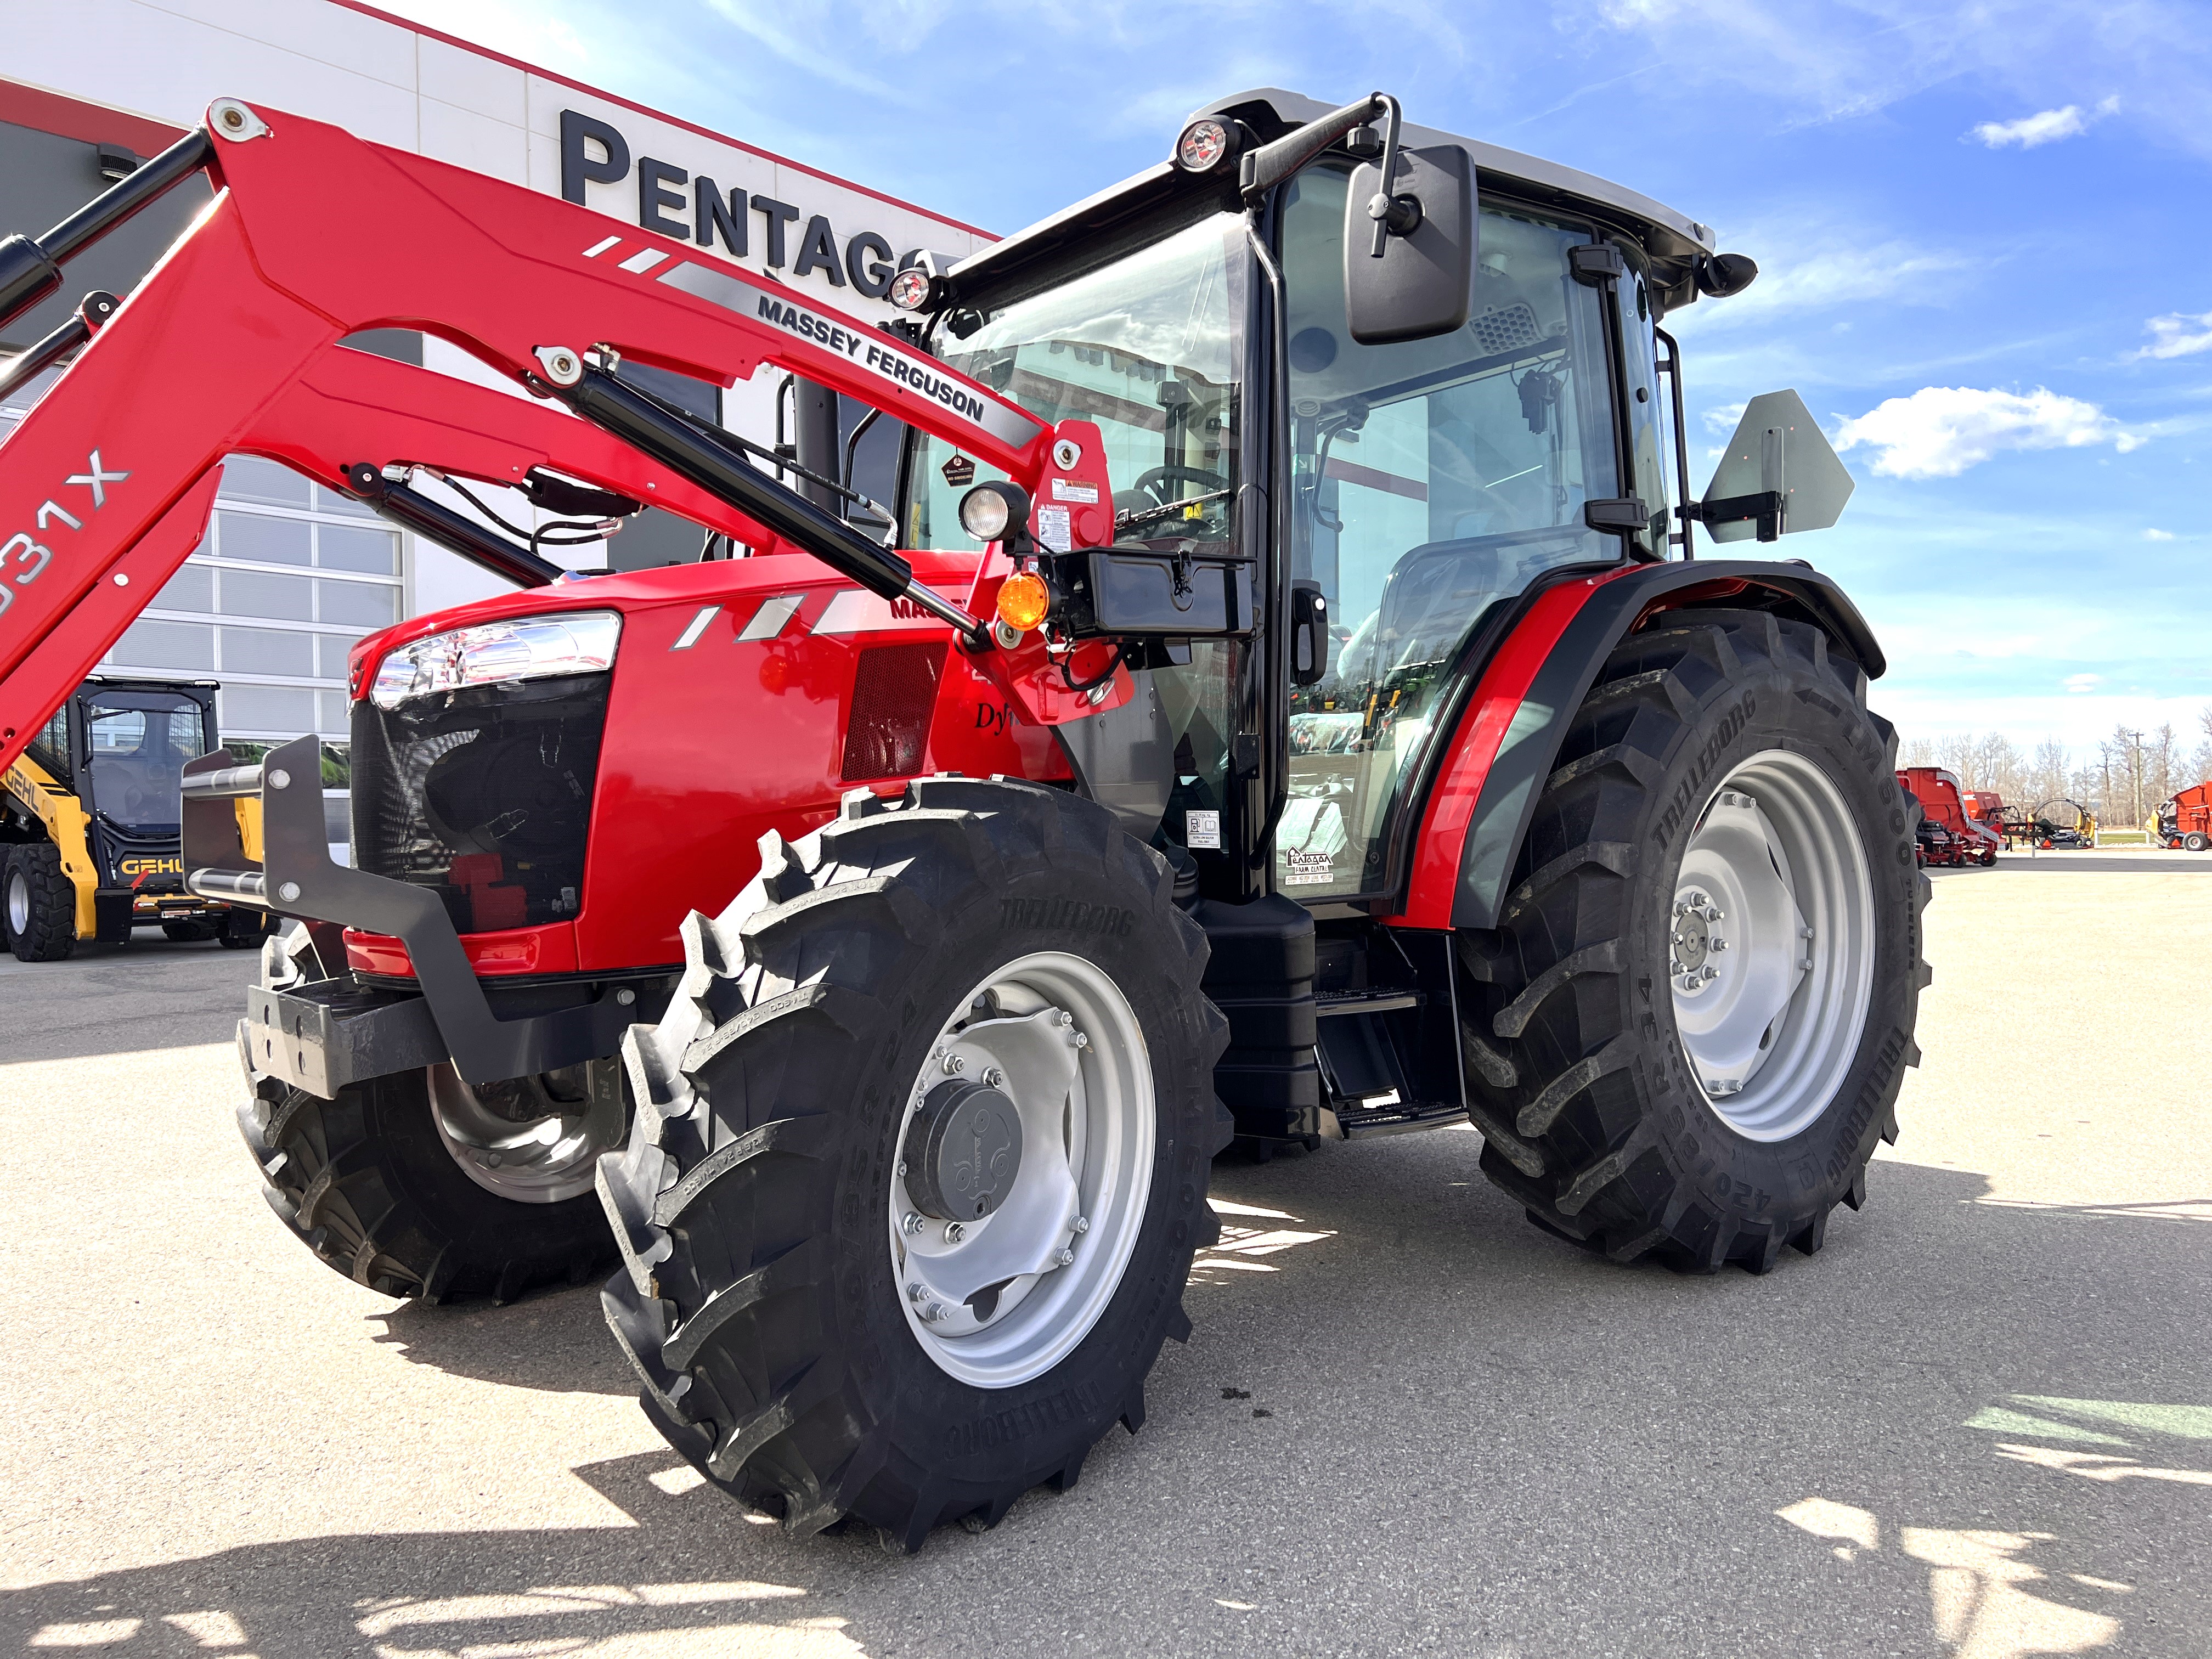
[(1954, 752), (2047, 772), (2161, 762), (1920, 752), (2200, 766)]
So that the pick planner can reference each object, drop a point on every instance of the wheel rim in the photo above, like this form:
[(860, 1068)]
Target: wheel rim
[(19, 902), (533, 1139), (1770, 945), (1002, 1298)]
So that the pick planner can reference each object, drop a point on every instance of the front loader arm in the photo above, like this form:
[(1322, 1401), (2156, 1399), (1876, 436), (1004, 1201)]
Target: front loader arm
[(232, 344)]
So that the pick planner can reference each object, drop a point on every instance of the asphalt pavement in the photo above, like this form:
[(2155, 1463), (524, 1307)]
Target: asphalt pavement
[(1978, 1423)]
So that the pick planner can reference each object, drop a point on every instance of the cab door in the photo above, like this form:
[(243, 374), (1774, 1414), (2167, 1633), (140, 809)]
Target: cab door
[(1432, 482)]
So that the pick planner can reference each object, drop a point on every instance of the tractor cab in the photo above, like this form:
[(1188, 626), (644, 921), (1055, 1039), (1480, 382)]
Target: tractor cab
[(1401, 474)]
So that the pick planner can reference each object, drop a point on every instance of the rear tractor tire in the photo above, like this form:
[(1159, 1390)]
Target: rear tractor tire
[(919, 1159), (40, 903), (1699, 1005), (2196, 841), (418, 1185)]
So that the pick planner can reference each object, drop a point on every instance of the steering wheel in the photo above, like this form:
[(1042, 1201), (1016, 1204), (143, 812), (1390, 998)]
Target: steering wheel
[(1151, 482)]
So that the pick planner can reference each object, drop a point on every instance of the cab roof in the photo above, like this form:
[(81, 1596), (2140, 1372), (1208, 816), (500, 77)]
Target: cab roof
[(1673, 243)]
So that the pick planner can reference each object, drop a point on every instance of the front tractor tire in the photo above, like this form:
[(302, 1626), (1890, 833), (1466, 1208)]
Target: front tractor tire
[(1696, 1011), (919, 1159), (417, 1185)]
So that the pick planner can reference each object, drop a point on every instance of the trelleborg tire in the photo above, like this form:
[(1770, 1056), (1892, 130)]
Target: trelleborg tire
[(40, 903), (380, 1192), (1723, 765), (779, 1288)]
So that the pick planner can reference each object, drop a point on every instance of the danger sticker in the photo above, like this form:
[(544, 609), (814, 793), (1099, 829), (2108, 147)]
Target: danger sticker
[(1064, 489), (1307, 869), (1053, 529), (1201, 831)]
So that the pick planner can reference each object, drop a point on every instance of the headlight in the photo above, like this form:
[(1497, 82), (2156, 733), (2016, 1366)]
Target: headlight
[(987, 511), (911, 289), (523, 648)]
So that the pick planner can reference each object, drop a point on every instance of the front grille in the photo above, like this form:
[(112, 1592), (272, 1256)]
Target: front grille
[(485, 795), (894, 694)]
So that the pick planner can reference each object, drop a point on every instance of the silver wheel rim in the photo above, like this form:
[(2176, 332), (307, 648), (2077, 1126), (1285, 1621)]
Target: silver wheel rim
[(1068, 1052), (1770, 945), (542, 1159), (19, 902)]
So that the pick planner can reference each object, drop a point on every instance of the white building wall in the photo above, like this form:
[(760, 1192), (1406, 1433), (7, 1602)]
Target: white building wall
[(388, 80)]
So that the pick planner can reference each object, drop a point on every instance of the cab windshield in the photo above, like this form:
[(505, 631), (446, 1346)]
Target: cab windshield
[(136, 744), (1147, 347)]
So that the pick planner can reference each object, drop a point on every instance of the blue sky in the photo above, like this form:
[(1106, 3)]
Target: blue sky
[(1981, 230)]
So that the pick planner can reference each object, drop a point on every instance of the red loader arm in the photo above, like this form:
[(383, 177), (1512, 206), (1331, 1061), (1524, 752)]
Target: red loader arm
[(231, 344)]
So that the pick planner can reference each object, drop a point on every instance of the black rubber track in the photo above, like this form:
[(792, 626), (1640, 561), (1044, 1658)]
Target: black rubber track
[(752, 1204), (366, 1183), (1576, 1077), (52, 935)]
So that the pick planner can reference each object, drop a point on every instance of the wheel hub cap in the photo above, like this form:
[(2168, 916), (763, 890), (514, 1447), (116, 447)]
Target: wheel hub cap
[(964, 1151)]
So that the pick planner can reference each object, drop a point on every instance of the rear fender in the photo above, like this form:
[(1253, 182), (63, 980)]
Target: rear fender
[(1507, 738)]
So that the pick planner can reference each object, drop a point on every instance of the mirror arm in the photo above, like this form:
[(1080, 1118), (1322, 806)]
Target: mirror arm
[(1684, 509), (1262, 169), (1392, 214)]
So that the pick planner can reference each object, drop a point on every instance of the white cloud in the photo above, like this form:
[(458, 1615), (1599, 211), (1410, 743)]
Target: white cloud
[(2080, 684), (2177, 334), (1940, 430), (1831, 269), (2047, 126), (2158, 535), (1724, 419)]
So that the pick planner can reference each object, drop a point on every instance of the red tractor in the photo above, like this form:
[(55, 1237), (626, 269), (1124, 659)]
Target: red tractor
[(2186, 820), (1951, 834), (868, 942)]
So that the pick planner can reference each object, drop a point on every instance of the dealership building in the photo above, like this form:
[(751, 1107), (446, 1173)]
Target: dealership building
[(290, 574)]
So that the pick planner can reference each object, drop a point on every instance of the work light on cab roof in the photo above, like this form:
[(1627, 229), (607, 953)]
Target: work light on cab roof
[(1205, 144)]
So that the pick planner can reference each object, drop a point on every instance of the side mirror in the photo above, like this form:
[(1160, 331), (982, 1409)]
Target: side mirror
[(1410, 275), (1778, 476), (1309, 633)]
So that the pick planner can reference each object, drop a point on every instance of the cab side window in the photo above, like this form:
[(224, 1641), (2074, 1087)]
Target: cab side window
[(1432, 479)]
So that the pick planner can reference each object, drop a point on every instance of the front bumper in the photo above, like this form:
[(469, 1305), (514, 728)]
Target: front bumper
[(322, 1034)]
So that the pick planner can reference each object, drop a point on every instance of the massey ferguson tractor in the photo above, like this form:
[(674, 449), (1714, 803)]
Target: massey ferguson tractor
[(1288, 709)]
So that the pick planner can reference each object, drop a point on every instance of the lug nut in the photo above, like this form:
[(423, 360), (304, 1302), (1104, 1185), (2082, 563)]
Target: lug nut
[(1081, 1040), (916, 1291), (1066, 1258), (912, 1224), (1717, 943), (954, 1065), (1709, 975), (954, 1233), (1066, 1018), (993, 1077), (933, 1313), (1082, 1224)]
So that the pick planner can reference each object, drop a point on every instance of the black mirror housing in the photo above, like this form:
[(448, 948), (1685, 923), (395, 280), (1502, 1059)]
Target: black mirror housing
[(1423, 285)]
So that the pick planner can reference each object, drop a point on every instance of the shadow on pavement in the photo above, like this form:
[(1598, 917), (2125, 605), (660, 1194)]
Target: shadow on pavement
[(123, 998), (1408, 1422), (555, 1341)]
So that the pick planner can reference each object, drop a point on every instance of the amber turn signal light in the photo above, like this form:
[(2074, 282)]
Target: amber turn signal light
[(1023, 600)]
